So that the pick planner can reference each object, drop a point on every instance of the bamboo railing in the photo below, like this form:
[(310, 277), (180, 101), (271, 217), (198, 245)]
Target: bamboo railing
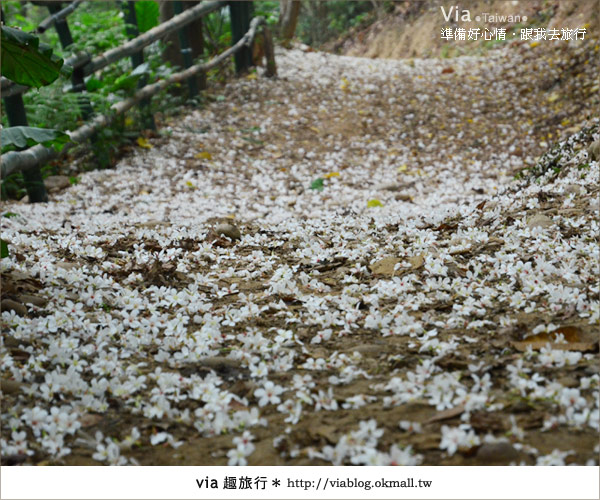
[(29, 160), (24, 160)]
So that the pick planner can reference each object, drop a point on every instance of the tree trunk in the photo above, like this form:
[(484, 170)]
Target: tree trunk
[(172, 52), (289, 11)]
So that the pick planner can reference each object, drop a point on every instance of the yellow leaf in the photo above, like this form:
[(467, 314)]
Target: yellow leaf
[(203, 155), (534, 44), (565, 122), (315, 130), (374, 203), (402, 168), (553, 97), (251, 76), (190, 185), (143, 143), (344, 85), (331, 174), (128, 121)]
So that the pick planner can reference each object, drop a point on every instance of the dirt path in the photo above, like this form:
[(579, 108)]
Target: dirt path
[(391, 299)]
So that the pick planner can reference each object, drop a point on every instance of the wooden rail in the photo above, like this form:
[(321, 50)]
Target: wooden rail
[(91, 65), (29, 160), (58, 16), (24, 160)]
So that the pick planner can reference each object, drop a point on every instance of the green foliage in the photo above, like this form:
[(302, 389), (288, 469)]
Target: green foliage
[(26, 61), (268, 10), (42, 107), (322, 21), (84, 23), (3, 249), (146, 13), (13, 187), (55, 107), (217, 31), (17, 10), (317, 184), (129, 81), (19, 138)]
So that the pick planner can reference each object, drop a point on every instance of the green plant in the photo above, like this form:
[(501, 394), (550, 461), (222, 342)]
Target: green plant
[(268, 10), (19, 138), (146, 13), (112, 84), (27, 62), (317, 184), (3, 249), (217, 30), (323, 21), (13, 187)]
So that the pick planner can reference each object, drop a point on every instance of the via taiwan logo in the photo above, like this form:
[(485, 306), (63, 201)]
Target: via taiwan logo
[(457, 14), (454, 11)]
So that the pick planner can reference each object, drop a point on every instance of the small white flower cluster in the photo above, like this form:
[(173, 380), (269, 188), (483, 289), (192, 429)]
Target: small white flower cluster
[(148, 317), (359, 448), (108, 450), (458, 438), (243, 449)]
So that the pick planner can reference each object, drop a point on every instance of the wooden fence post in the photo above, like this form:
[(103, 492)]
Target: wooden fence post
[(34, 183), (241, 13), (137, 59), (78, 81), (17, 116), (269, 52), (172, 52), (186, 50)]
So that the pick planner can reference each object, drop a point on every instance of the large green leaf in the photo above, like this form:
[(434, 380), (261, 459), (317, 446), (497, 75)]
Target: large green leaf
[(26, 61), (18, 138), (146, 13)]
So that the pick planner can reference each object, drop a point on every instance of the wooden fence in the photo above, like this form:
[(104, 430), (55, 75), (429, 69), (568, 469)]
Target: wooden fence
[(244, 30)]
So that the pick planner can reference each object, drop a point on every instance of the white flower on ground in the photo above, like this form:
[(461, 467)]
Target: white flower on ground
[(412, 427), (244, 440), (557, 457), (326, 401), (243, 449), (268, 394), (399, 456), (456, 438)]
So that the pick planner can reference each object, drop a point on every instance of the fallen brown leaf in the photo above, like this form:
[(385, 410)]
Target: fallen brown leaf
[(446, 414)]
